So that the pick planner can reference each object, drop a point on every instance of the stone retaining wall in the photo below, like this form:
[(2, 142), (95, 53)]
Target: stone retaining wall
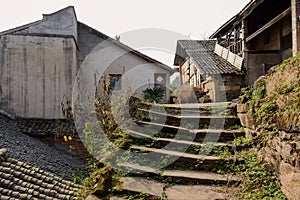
[(280, 150)]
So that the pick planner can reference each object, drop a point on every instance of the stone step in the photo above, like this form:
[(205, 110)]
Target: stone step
[(158, 113), (168, 131), (134, 168), (161, 127), (182, 157), (192, 112), (184, 176), (214, 112), (176, 192), (93, 197), (148, 139), (142, 185), (183, 142), (201, 111), (189, 121), (113, 198), (200, 177), (219, 135), (192, 106), (195, 192)]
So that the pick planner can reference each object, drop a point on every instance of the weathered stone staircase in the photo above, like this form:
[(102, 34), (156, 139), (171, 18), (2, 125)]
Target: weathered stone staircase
[(176, 151)]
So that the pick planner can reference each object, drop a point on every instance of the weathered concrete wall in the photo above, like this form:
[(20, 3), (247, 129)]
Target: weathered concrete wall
[(58, 23), (232, 86), (87, 39), (278, 37), (223, 88), (36, 73), (268, 40), (255, 65)]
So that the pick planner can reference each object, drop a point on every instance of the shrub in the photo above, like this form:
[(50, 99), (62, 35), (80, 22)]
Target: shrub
[(155, 94)]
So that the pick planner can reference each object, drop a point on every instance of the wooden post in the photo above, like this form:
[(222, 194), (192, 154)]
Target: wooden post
[(235, 41), (295, 7), (245, 52), (244, 35)]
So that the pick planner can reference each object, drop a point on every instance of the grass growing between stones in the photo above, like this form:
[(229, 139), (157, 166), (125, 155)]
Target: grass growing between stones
[(273, 105), (274, 100), (256, 180)]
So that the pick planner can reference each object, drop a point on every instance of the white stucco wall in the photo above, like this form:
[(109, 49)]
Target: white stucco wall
[(136, 72), (36, 73)]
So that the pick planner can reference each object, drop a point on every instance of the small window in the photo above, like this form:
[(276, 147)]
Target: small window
[(268, 67), (115, 81)]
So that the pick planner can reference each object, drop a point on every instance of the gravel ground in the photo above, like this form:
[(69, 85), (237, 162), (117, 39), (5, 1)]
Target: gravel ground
[(49, 156)]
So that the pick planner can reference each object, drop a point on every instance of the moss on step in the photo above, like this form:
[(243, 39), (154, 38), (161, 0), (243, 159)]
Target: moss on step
[(257, 182)]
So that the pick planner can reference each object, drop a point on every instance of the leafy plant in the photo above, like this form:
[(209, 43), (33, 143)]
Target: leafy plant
[(102, 181), (257, 182), (155, 94)]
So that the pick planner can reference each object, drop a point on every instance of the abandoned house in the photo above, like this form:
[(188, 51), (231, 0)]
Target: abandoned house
[(39, 63), (263, 33), (200, 66)]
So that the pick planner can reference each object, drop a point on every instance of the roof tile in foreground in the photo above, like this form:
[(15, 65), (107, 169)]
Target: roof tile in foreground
[(19, 180)]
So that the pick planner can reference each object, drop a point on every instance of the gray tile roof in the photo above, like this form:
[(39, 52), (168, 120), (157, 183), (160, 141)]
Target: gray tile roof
[(197, 45), (19, 180), (44, 127), (202, 54)]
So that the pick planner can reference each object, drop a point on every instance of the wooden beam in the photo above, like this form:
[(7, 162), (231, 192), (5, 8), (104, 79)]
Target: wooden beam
[(262, 51), (269, 24)]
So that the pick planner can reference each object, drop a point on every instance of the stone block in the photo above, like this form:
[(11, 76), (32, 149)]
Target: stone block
[(290, 181), (288, 121), (92, 197), (194, 192), (246, 121), (284, 136), (242, 108), (204, 99), (250, 133), (257, 82), (277, 144), (276, 159), (150, 187)]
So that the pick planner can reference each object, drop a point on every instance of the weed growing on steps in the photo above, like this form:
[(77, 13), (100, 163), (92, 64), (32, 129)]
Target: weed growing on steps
[(242, 141), (104, 180), (257, 182), (139, 196)]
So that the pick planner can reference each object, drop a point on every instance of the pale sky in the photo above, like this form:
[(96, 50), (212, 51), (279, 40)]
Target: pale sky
[(195, 19)]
